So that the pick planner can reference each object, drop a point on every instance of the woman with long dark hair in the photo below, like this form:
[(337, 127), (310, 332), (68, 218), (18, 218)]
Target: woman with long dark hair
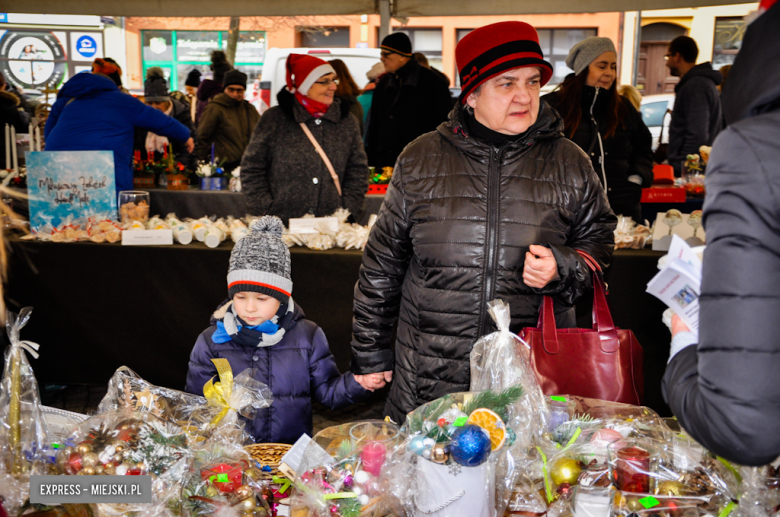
[(605, 125), (348, 89)]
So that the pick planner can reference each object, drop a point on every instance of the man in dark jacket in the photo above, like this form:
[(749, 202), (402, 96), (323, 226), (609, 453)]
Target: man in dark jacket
[(697, 118), (495, 204), (91, 114), (724, 391), (409, 101), (210, 88), (227, 122)]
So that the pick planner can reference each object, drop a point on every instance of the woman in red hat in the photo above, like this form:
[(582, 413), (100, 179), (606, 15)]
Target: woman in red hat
[(494, 204), (283, 172)]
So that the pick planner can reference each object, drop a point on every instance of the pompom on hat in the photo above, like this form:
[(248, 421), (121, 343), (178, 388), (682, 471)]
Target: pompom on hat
[(304, 70), (260, 262), (486, 52)]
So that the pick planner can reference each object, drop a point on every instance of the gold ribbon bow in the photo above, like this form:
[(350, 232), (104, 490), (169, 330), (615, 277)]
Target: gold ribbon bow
[(219, 393)]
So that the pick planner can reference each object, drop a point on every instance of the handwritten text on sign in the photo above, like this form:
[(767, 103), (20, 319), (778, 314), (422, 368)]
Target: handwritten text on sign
[(65, 185)]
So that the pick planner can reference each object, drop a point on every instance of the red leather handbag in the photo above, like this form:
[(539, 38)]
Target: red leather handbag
[(601, 363)]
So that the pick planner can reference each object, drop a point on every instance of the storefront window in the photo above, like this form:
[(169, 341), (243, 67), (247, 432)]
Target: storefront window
[(179, 52), (427, 42), (324, 37), (728, 40)]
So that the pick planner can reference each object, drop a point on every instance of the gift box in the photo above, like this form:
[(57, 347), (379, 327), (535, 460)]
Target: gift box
[(225, 477), (663, 194)]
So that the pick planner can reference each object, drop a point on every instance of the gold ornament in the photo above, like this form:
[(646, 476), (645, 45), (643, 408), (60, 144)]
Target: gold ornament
[(211, 491), (119, 445), (565, 470), (253, 474), (249, 504), (117, 458), (109, 470), (83, 448), (674, 488), (243, 492), (100, 470), (439, 453), (633, 504), (90, 459), (349, 468), (87, 471), (81, 473)]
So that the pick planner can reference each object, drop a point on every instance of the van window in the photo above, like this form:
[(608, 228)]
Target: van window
[(653, 113)]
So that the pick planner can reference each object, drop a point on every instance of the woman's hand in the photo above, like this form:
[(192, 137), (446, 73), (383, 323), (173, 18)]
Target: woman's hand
[(540, 267), (372, 381), (190, 145)]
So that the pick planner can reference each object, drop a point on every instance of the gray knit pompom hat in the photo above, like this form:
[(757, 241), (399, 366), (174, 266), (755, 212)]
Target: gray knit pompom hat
[(586, 51), (260, 262)]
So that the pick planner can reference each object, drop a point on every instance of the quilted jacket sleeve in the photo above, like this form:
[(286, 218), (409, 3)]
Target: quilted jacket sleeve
[(724, 391), (201, 369), (330, 387), (378, 290), (592, 231)]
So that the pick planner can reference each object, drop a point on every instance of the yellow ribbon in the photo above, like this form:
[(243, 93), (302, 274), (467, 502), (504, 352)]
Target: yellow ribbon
[(218, 393)]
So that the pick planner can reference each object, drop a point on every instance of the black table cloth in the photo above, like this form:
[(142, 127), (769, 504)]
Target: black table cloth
[(101, 306)]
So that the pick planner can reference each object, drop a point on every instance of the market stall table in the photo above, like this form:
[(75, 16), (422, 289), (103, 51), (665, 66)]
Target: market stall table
[(197, 203), (101, 306)]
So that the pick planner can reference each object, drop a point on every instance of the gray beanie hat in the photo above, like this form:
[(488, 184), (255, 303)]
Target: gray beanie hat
[(260, 262), (583, 53)]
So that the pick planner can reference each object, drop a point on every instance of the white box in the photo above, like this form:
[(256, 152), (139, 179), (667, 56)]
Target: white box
[(312, 224), (147, 237)]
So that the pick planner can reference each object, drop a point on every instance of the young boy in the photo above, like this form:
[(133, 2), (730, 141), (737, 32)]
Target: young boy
[(262, 329)]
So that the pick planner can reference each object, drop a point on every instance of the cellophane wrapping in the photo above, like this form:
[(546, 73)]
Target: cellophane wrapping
[(25, 448), (345, 471)]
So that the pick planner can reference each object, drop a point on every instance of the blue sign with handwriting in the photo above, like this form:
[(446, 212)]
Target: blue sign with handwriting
[(69, 185)]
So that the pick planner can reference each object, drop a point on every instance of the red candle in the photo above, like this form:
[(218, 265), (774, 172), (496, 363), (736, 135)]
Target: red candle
[(633, 470), (373, 456)]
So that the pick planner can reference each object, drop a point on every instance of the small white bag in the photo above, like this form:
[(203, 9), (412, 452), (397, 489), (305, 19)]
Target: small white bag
[(442, 493)]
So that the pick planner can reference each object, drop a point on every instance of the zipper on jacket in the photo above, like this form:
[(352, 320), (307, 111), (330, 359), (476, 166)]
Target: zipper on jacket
[(598, 137), (492, 238)]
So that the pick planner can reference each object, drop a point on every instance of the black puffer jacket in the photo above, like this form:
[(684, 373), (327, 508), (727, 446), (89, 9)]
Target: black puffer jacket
[(284, 176), (725, 391), (452, 235), (628, 152)]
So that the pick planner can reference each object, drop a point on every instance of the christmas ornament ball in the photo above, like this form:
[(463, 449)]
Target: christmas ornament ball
[(417, 445), (634, 505), (671, 488), (87, 471), (211, 491), (470, 446), (89, 459), (565, 470), (243, 492), (439, 453), (83, 448), (100, 470), (361, 477), (248, 504)]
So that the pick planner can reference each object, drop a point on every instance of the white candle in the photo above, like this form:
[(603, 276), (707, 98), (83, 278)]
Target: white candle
[(38, 137), (13, 148), (7, 147), (31, 138)]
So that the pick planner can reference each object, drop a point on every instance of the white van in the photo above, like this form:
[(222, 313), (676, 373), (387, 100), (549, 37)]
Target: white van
[(358, 60)]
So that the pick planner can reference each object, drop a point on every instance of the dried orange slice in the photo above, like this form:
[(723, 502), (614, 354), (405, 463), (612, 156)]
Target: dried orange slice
[(492, 423)]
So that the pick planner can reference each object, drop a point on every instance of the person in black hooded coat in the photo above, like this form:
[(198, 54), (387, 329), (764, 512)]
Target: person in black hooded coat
[(724, 390), (605, 125)]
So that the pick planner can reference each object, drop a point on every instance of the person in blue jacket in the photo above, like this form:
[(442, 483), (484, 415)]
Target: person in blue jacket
[(262, 329), (92, 114)]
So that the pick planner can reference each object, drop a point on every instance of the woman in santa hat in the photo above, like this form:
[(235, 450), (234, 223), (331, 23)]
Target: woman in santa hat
[(306, 155)]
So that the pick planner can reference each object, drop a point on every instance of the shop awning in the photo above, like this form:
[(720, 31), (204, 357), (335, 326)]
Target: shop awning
[(404, 8)]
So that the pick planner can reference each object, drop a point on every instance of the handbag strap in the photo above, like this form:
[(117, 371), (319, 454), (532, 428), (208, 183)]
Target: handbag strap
[(324, 157), (602, 318)]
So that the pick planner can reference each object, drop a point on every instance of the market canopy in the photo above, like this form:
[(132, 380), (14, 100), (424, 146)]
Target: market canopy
[(405, 8)]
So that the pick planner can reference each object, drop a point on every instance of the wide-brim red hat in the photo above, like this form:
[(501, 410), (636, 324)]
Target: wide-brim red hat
[(486, 52)]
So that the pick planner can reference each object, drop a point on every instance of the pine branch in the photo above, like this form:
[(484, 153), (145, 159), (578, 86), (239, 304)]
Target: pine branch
[(565, 431), (496, 402)]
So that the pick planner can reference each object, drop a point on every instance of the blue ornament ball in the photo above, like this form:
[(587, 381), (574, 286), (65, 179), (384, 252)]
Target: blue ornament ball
[(470, 446), (417, 444)]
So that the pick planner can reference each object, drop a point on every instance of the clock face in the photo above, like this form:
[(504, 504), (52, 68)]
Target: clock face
[(32, 59)]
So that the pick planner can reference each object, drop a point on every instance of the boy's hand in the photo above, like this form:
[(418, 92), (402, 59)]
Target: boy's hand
[(371, 381)]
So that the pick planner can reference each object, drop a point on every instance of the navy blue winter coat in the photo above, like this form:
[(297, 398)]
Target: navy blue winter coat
[(102, 118), (298, 368)]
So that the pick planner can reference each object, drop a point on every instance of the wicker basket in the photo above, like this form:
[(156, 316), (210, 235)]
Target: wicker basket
[(268, 454)]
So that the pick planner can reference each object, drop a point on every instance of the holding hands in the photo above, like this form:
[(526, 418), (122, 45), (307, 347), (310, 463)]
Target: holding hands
[(374, 381), (540, 267)]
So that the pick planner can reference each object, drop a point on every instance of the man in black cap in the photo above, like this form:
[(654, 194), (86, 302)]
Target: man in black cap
[(409, 101), (227, 123)]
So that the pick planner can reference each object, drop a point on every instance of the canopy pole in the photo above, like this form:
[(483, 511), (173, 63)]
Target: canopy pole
[(637, 44), (384, 19)]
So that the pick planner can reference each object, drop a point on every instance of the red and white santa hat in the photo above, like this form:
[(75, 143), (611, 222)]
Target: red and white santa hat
[(304, 70)]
